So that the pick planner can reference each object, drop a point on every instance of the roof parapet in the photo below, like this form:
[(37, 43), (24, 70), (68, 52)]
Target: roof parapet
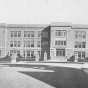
[(60, 24), (26, 25), (80, 26), (2, 25)]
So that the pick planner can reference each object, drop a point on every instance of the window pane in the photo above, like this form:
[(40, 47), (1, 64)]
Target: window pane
[(28, 53), (59, 33), (32, 53), (32, 33), (84, 34), (25, 33), (0, 52), (15, 43), (18, 43), (11, 43), (18, 53), (83, 54), (15, 33), (79, 45), (28, 43), (56, 32), (64, 42), (19, 33), (79, 54), (55, 42), (32, 43), (39, 33), (58, 42), (11, 33), (64, 33), (61, 42), (38, 43), (28, 33), (24, 43)]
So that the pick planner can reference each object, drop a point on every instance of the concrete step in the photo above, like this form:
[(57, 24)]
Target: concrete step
[(59, 59)]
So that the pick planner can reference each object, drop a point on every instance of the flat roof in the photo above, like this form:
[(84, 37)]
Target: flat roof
[(60, 24), (79, 26), (27, 25)]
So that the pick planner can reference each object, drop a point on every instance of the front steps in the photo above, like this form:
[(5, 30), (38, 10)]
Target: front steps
[(58, 59)]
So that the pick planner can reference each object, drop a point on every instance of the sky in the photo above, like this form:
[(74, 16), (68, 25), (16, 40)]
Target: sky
[(43, 11)]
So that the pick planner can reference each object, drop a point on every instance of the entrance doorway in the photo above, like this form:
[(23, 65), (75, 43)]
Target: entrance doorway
[(60, 52)]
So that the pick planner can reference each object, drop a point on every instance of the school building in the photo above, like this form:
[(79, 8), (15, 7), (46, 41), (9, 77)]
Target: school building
[(60, 40)]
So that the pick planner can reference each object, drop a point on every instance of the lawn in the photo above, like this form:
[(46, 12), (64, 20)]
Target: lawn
[(60, 77)]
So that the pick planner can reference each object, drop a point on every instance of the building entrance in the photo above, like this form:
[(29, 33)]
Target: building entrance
[(60, 52)]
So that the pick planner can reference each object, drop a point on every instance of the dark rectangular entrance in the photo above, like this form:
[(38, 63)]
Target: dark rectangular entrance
[(60, 52)]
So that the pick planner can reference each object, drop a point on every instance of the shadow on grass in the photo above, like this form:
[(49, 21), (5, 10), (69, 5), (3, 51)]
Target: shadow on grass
[(61, 77)]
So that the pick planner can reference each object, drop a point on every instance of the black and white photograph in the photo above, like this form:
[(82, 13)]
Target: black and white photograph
[(43, 43)]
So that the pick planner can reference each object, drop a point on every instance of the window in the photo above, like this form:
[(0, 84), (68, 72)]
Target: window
[(18, 52), (24, 44), (19, 33), (11, 33), (83, 44), (39, 33), (32, 53), (24, 53), (81, 54), (80, 44), (25, 33), (11, 43), (38, 44), (28, 33), (19, 44), (61, 33), (64, 42), (32, 43), (80, 34), (15, 33), (28, 43), (28, 53), (15, 43), (58, 43), (32, 33)]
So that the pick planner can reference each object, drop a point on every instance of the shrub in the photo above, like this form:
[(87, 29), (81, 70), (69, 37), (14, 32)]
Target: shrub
[(6, 58), (72, 58), (86, 58), (27, 59), (20, 56)]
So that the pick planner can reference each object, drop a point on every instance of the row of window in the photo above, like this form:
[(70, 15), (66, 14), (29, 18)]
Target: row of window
[(15, 33), (28, 53), (80, 34), (59, 43), (26, 44), (15, 43), (63, 33), (80, 44), (81, 54), (26, 33), (60, 33)]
